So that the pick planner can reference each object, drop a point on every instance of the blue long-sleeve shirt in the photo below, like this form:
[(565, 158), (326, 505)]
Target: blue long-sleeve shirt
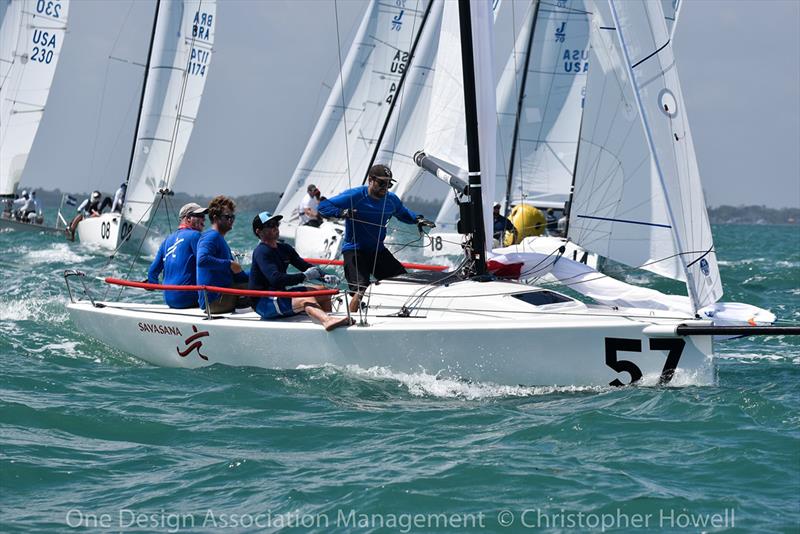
[(177, 257), (214, 259), (368, 229), (268, 272)]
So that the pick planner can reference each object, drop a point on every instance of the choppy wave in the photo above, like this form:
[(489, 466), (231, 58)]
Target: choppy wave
[(86, 427)]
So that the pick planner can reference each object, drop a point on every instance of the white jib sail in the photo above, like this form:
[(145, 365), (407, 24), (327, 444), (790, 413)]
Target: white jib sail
[(31, 37), (550, 116), (622, 209), (179, 65), (344, 138)]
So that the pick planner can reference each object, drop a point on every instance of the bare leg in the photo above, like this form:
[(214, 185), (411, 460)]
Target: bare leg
[(324, 301), (355, 302), (312, 309)]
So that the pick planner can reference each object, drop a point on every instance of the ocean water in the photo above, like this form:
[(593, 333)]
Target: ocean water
[(92, 439)]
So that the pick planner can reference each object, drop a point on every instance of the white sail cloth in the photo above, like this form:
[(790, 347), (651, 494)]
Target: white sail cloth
[(179, 64), (343, 141), (528, 265), (550, 116), (31, 37), (638, 197)]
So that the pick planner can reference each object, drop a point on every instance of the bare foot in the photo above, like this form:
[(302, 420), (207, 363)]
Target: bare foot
[(336, 322)]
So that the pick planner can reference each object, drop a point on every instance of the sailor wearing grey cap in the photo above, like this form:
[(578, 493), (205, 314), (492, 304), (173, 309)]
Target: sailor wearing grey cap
[(367, 209), (177, 257)]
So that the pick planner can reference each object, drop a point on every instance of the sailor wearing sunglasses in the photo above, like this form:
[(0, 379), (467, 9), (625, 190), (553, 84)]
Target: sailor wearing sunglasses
[(367, 209)]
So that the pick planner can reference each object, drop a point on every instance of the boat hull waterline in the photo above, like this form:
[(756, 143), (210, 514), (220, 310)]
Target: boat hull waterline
[(546, 349)]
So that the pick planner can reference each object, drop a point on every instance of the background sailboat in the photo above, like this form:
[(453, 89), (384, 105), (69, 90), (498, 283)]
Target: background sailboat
[(177, 68), (347, 133), (31, 37)]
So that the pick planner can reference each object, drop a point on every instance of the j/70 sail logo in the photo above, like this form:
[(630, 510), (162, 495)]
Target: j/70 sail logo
[(192, 343)]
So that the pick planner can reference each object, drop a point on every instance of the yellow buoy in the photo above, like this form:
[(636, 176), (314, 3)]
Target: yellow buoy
[(528, 221)]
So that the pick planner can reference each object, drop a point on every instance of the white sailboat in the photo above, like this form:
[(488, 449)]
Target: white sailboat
[(31, 37), (177, 68), (348, 131), (466, 323)]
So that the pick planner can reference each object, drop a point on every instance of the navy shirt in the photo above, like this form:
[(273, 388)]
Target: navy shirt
[(268, 272), (368, 230), (177, 257)]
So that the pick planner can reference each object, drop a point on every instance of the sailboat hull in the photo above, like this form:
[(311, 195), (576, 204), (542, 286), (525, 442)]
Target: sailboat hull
[(110, 229), (11, 224), (542, 350), (324, 242)]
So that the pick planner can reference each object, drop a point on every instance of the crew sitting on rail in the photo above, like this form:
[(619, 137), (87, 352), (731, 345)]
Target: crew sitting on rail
[(268, 273), (177, 257), (215, 263)]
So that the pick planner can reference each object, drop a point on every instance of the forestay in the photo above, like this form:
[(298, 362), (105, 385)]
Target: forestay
[(31, 37), (181, 53), (637, 202), (343, 142)]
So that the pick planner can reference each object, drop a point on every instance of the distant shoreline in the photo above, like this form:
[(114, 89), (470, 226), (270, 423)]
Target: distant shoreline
[(268, 201)]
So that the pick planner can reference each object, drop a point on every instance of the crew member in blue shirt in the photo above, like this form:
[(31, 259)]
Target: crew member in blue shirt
[(367, 209), (215, 263), (177, 257), (271, 259)]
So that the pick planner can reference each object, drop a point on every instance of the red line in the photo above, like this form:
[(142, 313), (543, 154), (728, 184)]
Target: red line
[(225, 290)]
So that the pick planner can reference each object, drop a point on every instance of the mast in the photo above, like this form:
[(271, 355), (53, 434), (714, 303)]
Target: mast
[(478, 244), (574, 174), (399, 90), (520, 102), (144, 87), (657, 163)]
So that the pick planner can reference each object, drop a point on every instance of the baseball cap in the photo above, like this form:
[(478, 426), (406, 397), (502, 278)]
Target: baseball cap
[(381, 171), (264, 218), (191, 208), (311, 187)]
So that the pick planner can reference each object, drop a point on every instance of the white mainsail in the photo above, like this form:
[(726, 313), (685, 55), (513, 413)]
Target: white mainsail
[(343, 141), (31, 37), (551, 114), (550, 117), (181, 53), (638, 197), (408, 122)]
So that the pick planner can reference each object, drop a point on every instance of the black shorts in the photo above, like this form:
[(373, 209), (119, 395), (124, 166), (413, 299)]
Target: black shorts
[(358, 266)]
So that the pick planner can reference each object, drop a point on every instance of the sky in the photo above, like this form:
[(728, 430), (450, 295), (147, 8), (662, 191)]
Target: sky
[(275, 61)]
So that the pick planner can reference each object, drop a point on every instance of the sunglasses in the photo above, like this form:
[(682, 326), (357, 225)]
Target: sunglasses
[(382, 183), (230, 217), (200, 216)]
